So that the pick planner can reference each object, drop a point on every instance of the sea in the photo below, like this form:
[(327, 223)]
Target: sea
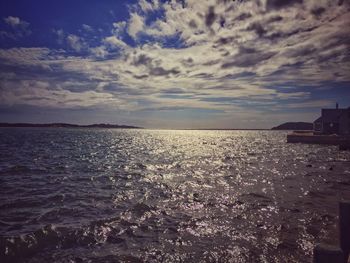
[(138, 195)]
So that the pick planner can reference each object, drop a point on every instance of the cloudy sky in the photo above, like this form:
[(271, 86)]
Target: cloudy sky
[(173, 64)]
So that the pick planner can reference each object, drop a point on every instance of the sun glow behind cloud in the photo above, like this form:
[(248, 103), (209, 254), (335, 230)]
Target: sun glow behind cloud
[(225, 64)]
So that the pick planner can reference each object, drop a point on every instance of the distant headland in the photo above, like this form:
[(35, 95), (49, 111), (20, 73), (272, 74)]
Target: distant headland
[(294, 126), (67, 125)]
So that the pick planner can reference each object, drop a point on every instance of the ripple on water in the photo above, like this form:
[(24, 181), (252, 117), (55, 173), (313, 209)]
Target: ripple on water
[(165, 196)]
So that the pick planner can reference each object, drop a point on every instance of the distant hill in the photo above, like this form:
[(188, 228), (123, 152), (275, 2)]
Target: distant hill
[(68, 125), (294, 126)]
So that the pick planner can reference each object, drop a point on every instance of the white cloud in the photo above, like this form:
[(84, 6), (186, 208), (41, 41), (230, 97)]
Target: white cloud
[(45, 94), (310, 104), (87, 28), (99, 52), (60, 35), (25, 56), (245, 59), (136, 25), (13, 21), (115, 42), (148, 6), (19, 28), (75, 42)]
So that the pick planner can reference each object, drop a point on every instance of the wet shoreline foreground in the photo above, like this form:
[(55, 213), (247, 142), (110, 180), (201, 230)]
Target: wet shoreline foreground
[(166, 196), (340, 253)]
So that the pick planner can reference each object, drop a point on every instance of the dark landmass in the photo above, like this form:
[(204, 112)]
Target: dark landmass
[(223, 129), (68, 125), (298, 126)]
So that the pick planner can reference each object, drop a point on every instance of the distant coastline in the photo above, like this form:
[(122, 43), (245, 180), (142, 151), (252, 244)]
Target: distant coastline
[(294, 126), (284, 126), (66, 125), (112, 126)]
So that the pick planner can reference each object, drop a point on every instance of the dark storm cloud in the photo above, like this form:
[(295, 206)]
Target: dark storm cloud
[(346, 2), (277, 4), (212, 62), (221, 99), (54, 73), (281, 35), (329, 56), (274, 19), (141, 76), (203, 75), (225, 87), (248, 57), (174, 91), (142, 59), (166, 108), (187, 62), (243, 16), (193, 24), (257, 28), (244, 74), (23, 71), (224, 1), (119, 89), (337, 39), (159, 71), (210, 16), (58, 72), (286, 34), (247, 50), (318, 11), (224, 40), (301, 51)]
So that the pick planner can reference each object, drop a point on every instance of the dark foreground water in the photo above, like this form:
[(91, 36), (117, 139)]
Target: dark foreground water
[(92, 195)]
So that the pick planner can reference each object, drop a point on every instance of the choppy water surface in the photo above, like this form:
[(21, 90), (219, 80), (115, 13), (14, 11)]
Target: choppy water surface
[(91, 195)]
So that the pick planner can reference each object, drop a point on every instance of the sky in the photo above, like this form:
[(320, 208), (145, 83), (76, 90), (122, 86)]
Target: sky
[(173, 64)]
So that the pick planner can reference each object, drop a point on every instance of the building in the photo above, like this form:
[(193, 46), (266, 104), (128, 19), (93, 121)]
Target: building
[(333, 121)]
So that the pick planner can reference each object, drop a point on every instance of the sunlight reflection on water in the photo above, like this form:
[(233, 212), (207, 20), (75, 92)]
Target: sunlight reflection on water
[(166, 196)]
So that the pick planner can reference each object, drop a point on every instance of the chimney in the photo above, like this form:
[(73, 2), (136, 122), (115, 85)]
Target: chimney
[(337, 106)]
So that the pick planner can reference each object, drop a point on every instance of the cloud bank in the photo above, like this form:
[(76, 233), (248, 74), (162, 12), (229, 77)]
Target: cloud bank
[(235, 62)]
